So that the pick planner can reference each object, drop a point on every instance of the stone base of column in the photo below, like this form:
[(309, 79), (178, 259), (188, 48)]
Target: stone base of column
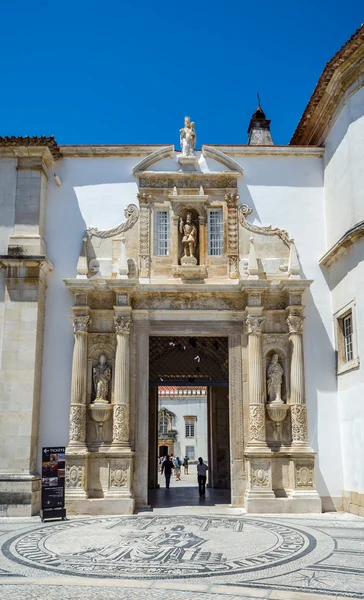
[(20, 494), (76, 474), (259, 490)]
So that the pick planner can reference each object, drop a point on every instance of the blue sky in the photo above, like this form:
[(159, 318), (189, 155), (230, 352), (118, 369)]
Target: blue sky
[(115, 72)]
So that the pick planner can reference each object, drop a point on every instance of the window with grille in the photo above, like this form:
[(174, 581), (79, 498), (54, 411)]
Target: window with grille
[(163, 425), (348, 337), (190, 429), (216, 232), (190, 452), (161, 233)]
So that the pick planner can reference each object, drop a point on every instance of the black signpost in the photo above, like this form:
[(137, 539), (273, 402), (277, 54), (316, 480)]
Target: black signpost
[(53, 477)]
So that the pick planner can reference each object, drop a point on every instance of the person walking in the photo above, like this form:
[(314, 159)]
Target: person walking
[(185, 465), (177, 468), (201, 476), (167, 467)]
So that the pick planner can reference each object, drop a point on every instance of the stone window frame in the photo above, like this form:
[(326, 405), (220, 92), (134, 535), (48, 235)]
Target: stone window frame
[(190, 425), (209, 211), (342, 364), (187, 453), (157, 209)]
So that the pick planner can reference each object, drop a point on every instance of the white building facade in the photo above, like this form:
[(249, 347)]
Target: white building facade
[(265, 276)]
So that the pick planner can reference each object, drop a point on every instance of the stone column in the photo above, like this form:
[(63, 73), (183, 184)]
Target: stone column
[(174, 240), (122, 322), (297, 383), (257, 436), (236, 421), (77, 436), (201, 239)]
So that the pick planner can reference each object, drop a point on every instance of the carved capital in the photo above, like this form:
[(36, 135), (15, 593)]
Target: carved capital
[(295, 323), (232, 199), (254, 324), (121, 424), (257, 423), (299, 423), (144, 199), (122, 325), (77, 424), (80, 324)]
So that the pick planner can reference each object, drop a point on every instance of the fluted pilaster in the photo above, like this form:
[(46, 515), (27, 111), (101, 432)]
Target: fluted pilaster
[(121, 385), (297, 379), (77, 433), (257, 434)]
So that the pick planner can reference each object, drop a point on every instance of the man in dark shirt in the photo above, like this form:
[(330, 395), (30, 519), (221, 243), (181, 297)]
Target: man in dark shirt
[(167, 467)]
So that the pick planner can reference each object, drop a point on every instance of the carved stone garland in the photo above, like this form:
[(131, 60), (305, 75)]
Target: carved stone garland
[(144, 235), (233, 231)]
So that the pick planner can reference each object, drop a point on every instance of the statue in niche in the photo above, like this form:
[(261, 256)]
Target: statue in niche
[(275, 378), (189, 236), (101, 378), (188, 138)]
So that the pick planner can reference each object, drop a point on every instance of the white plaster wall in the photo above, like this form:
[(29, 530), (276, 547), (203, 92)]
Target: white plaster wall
[(287, 192), (284, 192), (192, 406), (94, 192), (344, 169), (346, 278)]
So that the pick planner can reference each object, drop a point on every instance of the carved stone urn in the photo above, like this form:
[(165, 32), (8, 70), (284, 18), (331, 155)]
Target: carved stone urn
[(277, 412), (100, 413)]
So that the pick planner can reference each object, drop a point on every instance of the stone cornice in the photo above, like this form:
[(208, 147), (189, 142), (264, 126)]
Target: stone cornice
[(46, 147), (344, 242), (339, 74), (105, 151), (278, 151)]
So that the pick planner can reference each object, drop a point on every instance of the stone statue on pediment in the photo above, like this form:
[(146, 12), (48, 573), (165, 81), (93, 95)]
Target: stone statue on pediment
[(188, 138), (101, 378)]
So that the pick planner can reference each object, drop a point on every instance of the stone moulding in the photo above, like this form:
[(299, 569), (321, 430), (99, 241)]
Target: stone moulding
[(131, 213), (342, 245), (152, 158), (222, 158), (245, 211)]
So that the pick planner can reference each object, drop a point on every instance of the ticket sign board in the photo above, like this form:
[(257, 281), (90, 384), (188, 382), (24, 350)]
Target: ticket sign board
[(53, 482)]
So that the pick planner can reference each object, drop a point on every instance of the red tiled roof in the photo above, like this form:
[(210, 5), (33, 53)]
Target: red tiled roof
[(43, 140), (302, 134)]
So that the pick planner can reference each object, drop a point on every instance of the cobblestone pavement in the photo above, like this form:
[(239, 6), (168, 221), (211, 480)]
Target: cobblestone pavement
[(217, 555)]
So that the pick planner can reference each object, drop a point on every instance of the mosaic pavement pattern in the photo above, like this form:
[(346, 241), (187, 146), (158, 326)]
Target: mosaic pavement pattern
[(191, 555)]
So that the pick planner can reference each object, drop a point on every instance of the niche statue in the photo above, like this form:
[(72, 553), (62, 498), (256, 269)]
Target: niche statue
[(189, 236), (101, 378), (188, 138), (275, 378)]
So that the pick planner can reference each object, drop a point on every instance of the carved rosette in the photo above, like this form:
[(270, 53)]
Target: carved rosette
[(304, 475), (122, 325), (77, 424), (80, 324), (299, 424), (257, 423), (254, 324), (260, 474), (295, 323), (121, 424), (74, 477), (144, 234)]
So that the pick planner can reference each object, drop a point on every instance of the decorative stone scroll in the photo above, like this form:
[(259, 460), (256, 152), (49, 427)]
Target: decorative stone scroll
[(245, 211), (233, 233), (131, 213)]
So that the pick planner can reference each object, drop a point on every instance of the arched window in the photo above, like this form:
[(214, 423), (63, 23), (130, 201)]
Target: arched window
[(163, 425)]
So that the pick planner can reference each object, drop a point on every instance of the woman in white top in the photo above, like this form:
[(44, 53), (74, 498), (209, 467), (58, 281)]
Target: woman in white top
[(201, 476)]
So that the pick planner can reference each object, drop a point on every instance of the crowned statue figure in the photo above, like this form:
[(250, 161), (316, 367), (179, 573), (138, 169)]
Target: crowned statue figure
[(101, 378), (188, 138), (275, 378)]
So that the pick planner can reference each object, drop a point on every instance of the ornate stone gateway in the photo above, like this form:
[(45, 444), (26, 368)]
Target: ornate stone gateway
[(188, 262)]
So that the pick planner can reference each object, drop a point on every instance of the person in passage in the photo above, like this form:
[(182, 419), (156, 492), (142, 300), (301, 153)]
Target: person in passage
[(201, 476), (177, 469), (185, 465), (167, 467)]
